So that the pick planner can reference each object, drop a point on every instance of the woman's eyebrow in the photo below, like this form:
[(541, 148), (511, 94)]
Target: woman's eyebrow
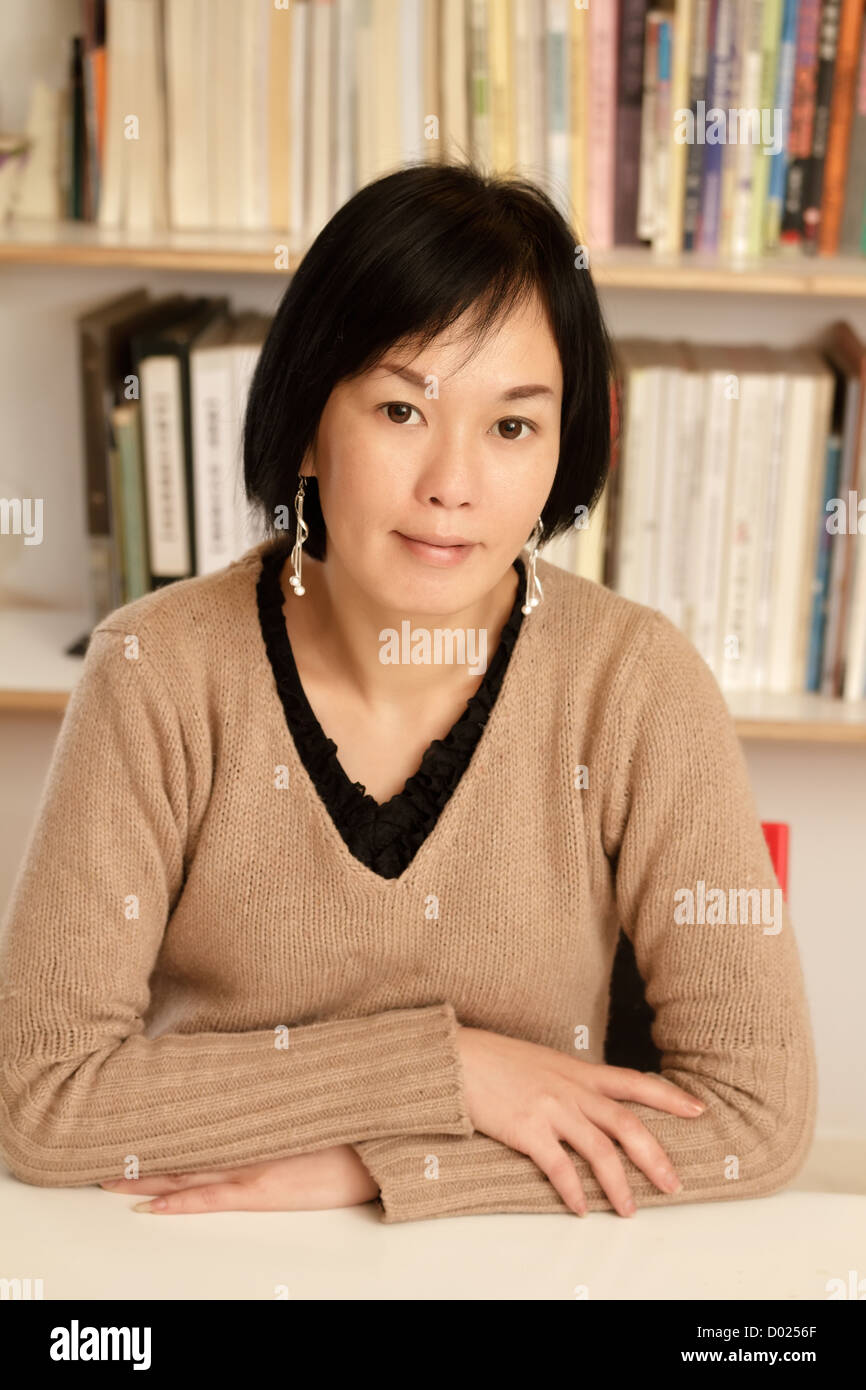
[(514, 393)]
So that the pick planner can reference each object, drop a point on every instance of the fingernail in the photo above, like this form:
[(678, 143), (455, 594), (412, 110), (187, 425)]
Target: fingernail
[(671, 1182), (697, 1108), (156, 1205), (629, 1207)]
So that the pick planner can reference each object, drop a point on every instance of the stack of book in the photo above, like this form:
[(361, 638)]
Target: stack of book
[(733, 127), (164, 389), (736, 504)]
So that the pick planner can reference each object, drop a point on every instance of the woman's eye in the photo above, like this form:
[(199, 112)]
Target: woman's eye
[(398, 405), (512, 421), (404, 412)]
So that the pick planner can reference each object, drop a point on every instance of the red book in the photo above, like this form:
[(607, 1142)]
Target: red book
[(776, 835)]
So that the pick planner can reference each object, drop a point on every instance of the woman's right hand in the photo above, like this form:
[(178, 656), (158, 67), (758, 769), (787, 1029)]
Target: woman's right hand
[(530, 1097)]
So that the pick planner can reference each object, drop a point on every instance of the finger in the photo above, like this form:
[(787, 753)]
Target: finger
[(159, 1183), (549, 1155), (634, 1138), (218, 1196), (588, 1140), (625, 1083)]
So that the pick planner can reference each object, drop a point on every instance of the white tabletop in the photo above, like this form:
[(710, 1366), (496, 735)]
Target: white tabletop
[(89, 1244)]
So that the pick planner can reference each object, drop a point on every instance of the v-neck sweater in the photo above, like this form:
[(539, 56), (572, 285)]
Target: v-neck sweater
[(197, 973), (384, 836)]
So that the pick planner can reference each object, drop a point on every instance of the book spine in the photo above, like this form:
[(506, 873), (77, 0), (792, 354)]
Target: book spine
[(628, 121), (580, 77), (839, 134), (780, 387), (692, 486), (749, 150), (712, 514), (748, 501), (828, 41), (811, 498), (501, 98), (673, 486), (802, 122), (831, 683), (722, 39), (558, 97), (784, 101), (771, 38), (821, 588), (91, 186), (127, 430), (168, 503), (602, 118), (610, 559), (855, 190), (682, 38), (704, 11), (664, 115), (646, 466), (213, 456), (646, 199), (479, 83), (627, 576), (732, 99)]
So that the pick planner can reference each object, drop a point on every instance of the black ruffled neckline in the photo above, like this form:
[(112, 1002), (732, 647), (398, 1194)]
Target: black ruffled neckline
[(384, 836)]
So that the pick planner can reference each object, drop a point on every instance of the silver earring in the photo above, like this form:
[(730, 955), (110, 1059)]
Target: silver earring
[(302, 530), (532, 580)]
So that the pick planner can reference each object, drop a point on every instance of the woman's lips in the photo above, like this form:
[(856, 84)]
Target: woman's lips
[(442, 555)]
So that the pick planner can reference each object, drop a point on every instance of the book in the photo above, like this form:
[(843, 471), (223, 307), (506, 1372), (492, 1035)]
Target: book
[(813, 183), (161, 361), (802, 123), (847, 355), (841, 118), (107, 378)]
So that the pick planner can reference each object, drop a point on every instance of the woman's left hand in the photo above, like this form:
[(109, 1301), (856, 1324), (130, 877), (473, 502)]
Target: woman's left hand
[(319, 1181)]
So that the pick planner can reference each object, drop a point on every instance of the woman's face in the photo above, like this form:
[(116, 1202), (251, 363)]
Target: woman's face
[(442, 453)]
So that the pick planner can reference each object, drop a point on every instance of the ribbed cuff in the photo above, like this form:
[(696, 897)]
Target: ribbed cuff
[(446, 1175), (230, 1099), (392, 1073)]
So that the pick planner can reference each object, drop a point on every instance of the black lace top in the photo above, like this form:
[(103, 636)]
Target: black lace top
[(384, 836)]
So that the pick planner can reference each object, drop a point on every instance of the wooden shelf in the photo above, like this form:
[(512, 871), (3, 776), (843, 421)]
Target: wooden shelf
[(639, 268), (36, 677), (39, 678), (84, 244), (632, 268), (804, 718)]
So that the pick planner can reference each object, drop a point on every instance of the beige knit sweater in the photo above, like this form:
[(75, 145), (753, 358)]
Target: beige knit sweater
[(196, 971)]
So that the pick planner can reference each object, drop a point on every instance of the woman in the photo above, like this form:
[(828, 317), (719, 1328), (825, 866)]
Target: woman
[(313, 915)]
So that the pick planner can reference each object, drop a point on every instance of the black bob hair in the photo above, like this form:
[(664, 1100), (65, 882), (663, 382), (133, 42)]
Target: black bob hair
[(400, 261)]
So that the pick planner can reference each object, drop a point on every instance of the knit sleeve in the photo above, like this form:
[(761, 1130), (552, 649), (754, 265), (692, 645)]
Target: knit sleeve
[(82, 1090), (721, 969)]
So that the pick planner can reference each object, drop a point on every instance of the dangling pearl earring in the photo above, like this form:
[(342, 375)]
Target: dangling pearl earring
[(532, 580), (302, 530)]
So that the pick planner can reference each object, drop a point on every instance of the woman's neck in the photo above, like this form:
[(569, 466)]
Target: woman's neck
[(344, 633)]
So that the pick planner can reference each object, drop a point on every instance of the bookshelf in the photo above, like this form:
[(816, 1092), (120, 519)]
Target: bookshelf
[(787, 296), (40, 678), (77, 244)]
